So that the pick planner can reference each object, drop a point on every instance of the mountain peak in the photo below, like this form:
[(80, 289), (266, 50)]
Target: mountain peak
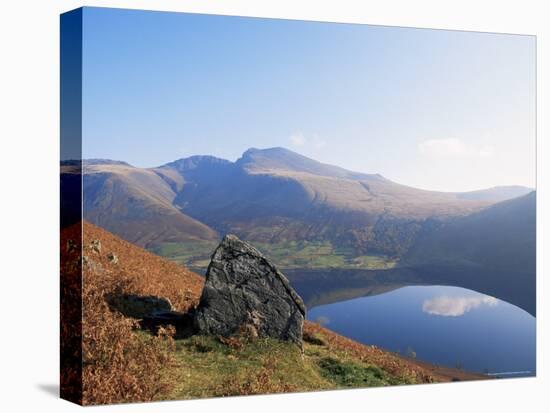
[(195, 161), (277, 150), (282, 159)]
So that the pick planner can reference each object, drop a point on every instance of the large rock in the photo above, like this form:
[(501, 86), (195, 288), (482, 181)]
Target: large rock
[(245, 292)]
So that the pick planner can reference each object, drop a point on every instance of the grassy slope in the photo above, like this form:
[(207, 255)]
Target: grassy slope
[(208, 366), (211, 368)]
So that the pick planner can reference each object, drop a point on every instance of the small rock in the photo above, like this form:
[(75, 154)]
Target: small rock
[(95, 246), (113, 259), (71, 245)]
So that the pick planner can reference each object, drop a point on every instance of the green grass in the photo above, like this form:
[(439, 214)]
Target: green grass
[(353, 374), (209, 368), (289, 254), (373, 262), (193, 253), (206, 367)]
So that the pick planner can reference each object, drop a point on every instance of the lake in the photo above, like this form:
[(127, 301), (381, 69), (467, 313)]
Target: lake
[(446, 325)]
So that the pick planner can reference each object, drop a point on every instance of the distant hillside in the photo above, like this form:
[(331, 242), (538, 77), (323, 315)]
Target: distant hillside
[(275, 195), (279, 182), (496, 194), (134, 203), (487, 238), (494, 249)]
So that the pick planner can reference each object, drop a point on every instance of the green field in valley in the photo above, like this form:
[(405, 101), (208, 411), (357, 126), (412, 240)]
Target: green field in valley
[(290, 254)]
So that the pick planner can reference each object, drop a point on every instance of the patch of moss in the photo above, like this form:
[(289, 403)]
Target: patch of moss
[(352, 374)]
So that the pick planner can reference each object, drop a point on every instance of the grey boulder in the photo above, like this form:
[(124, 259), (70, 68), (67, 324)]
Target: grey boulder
[(244, 292)]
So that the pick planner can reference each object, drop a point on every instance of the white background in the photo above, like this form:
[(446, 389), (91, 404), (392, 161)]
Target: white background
[(29, 122)]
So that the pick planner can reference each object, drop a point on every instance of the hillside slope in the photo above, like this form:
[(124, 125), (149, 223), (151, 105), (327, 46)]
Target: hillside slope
[(275, 195), (136, 204), (149, 367), (486, 239), (492, 250), (103, 358), (148, 274), (496, 194), (318, 185), (294, 183)]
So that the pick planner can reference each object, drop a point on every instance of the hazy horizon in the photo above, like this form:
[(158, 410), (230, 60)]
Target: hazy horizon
[(432, 109)]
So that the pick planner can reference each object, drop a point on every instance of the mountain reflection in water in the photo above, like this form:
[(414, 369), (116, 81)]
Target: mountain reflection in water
[(320, 287), (441, 319)]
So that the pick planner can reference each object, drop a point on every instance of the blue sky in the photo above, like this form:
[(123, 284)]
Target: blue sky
[(442, 110)]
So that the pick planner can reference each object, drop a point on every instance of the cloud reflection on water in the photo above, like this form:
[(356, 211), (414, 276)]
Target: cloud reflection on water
[(456, 306)]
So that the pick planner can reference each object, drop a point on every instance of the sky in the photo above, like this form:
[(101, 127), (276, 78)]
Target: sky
[(434, 109)]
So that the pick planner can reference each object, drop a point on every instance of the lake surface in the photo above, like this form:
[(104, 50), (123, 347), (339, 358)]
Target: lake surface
[(445, 325)]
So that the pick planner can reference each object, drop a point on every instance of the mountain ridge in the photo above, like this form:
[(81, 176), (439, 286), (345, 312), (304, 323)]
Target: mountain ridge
[(267, 195)]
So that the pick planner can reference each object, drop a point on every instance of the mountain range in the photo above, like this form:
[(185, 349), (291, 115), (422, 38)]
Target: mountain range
[(278, 197)]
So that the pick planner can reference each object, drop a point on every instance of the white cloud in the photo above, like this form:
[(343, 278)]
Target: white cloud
[(456, 306), (440, 148), (297, 139), (453, 148), (313, 142)]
